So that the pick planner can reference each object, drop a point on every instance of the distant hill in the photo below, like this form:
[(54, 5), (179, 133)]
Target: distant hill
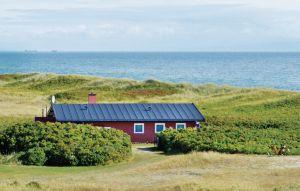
[(24, 95)]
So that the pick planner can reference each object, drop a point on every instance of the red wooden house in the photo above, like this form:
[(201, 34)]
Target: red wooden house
[(140, 120)]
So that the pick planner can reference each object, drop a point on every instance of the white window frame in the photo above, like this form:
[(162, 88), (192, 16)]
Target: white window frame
[(164, 128), (143, 125), (184, 124)]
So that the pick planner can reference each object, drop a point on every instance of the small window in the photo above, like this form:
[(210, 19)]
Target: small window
[(159, 127), (180, 126), (139, 128)]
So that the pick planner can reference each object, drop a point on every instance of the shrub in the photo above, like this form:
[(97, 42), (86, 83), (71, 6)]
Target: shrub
[(248, 122), (262, 124), (228, 140), (34, 156), (64, 144)]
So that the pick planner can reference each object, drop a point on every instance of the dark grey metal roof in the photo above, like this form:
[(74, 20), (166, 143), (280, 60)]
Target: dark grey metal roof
[(127, 112)]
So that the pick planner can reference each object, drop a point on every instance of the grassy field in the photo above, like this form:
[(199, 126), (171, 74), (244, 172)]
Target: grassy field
[(152, 170), (23, 96)]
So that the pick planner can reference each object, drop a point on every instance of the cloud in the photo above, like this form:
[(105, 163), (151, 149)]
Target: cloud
[(157, 24), (111, 4)]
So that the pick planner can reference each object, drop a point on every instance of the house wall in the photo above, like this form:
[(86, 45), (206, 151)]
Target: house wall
[(128, 127), (149, 129)]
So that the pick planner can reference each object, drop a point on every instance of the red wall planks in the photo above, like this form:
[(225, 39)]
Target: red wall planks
[(149, 129)]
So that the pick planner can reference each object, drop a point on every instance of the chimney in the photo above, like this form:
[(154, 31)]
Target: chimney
[(92, 98)]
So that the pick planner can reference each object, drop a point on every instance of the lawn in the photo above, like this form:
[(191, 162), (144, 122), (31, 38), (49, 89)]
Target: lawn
[(152, 170)]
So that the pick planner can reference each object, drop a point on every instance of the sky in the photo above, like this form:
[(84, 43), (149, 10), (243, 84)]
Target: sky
[(150, 25)]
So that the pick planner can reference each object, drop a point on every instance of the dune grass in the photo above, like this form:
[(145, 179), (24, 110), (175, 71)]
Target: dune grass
[(22, 96), (151, 170)]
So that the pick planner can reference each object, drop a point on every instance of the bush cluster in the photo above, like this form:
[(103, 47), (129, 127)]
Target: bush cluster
[(249, 122), (64, 144), (229, 140)]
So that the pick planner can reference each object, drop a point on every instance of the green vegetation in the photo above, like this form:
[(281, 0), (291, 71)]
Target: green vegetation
[(229, 140), (23, 95), (151, 170), (273, 115), (67, 144)]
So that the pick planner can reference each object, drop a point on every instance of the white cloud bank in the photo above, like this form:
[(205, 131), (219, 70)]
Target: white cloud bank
[(70, 4), (135, 25)]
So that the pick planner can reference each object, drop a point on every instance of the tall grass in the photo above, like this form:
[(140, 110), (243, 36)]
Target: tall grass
[(153, 171), (24, 95)]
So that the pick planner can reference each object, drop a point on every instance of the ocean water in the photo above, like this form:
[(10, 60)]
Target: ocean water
[(271, 70)]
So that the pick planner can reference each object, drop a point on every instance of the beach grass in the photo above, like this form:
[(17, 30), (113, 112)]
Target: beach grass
[(22, 96), (152, 170)]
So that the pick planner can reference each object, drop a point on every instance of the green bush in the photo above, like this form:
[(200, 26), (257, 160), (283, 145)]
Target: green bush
[(248, 122), (229, 140), (262, 124), (34, 156), (64, 144)]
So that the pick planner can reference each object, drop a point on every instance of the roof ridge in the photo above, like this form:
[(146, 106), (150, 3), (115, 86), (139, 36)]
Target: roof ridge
[(122, 103)]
